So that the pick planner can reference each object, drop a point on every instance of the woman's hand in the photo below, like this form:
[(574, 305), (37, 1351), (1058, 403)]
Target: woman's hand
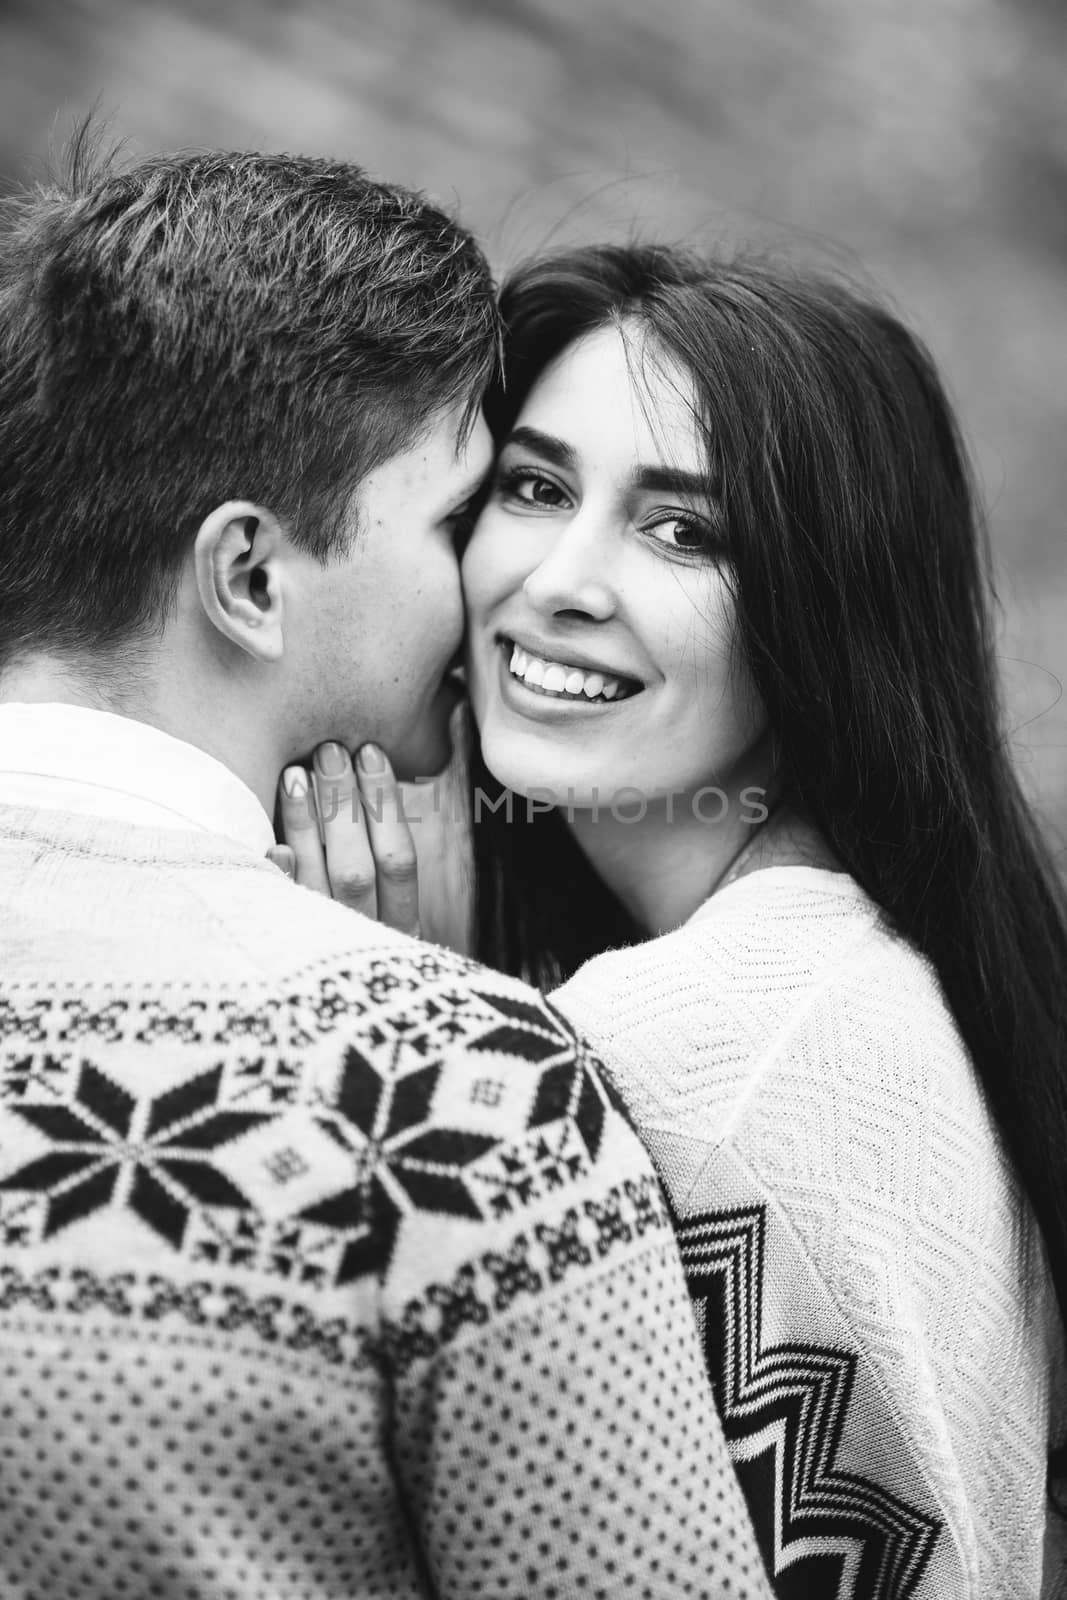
[(368, 862)]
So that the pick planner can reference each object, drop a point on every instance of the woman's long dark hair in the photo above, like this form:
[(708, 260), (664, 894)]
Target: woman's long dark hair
[(861, 577)]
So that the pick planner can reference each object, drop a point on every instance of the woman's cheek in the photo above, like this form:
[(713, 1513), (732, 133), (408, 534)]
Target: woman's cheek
[(498, 559), (471, 570)]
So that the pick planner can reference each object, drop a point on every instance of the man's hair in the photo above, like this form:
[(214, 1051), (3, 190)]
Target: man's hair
[(203, 327)]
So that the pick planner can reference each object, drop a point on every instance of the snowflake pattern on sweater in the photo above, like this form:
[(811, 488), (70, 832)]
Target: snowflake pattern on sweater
[(312, 1178), (328, 1265)]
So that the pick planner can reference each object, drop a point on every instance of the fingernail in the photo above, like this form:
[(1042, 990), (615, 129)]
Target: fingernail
[(371, 758), (286, 864), (331, 759), (295, 783)]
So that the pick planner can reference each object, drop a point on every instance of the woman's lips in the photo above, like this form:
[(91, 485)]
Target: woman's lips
[(558, 678), (541, 703)]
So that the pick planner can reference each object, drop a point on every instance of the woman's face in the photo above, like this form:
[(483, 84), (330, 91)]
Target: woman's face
[(599, 611)]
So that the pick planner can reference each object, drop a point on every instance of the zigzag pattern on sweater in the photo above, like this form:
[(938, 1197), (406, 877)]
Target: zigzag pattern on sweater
[(825, 1534)]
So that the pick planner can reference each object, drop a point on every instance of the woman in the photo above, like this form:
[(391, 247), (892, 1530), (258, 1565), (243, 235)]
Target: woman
[(731, 667)]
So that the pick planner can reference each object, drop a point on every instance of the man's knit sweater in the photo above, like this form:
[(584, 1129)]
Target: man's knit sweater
[(874, 1299), (327, 1268)]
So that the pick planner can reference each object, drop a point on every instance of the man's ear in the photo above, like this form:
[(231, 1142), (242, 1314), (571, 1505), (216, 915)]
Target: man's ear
[(237, 559)]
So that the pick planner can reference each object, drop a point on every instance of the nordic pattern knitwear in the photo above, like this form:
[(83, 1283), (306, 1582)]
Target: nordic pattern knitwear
[(875, 1306), (327, 1266)]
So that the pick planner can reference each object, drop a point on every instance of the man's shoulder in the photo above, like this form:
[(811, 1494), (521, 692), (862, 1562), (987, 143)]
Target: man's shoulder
[(403, 1117), (297, 946), (494, 1136)]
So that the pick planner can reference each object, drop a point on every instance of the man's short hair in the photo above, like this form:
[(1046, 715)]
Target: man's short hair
[(203, 327)]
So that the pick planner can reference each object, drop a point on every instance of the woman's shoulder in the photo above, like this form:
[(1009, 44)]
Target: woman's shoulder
[(777, 930), (787, 969), (788, 891)]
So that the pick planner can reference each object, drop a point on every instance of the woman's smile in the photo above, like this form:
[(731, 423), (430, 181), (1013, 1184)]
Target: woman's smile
[(561, 674), (568, 695)]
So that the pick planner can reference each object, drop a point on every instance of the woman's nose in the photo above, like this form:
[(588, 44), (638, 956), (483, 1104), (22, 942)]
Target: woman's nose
[(574, 575)]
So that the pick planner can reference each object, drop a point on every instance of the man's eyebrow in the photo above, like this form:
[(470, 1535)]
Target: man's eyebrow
[(543, 444)]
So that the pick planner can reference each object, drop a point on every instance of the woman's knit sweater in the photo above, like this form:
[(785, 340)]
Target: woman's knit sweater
[(875, 1304)]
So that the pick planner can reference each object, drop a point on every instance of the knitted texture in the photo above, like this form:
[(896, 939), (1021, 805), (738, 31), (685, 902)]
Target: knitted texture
[(327, 1266), (872, 1291)]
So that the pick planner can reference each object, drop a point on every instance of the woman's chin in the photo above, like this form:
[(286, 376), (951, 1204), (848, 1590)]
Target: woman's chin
[(543, 791)]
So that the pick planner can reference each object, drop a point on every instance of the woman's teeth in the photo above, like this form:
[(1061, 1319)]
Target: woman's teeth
[(553, 678)]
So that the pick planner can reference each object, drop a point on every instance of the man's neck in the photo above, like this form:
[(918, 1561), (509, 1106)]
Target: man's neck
[(175, 698), (48, 680)]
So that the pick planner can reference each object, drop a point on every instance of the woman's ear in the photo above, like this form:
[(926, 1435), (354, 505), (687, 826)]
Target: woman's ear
[(237, 560)]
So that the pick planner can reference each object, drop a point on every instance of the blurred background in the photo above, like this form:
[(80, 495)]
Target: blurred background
[(920, 143)]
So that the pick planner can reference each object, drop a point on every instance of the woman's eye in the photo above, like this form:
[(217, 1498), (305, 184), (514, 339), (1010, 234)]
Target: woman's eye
[(683, 532), (525, 487)]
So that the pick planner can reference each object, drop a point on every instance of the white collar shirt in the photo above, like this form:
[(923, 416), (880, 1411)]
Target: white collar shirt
[(60, 757)]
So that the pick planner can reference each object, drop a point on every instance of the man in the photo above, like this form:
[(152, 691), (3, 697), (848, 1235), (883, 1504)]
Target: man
[(326, 1265)]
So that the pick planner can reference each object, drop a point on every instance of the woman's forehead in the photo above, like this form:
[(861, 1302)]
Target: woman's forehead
[(618, 389)]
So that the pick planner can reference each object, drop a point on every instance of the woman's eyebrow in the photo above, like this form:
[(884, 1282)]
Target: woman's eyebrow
[(544, 444), (657, 480), (671, 480)]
